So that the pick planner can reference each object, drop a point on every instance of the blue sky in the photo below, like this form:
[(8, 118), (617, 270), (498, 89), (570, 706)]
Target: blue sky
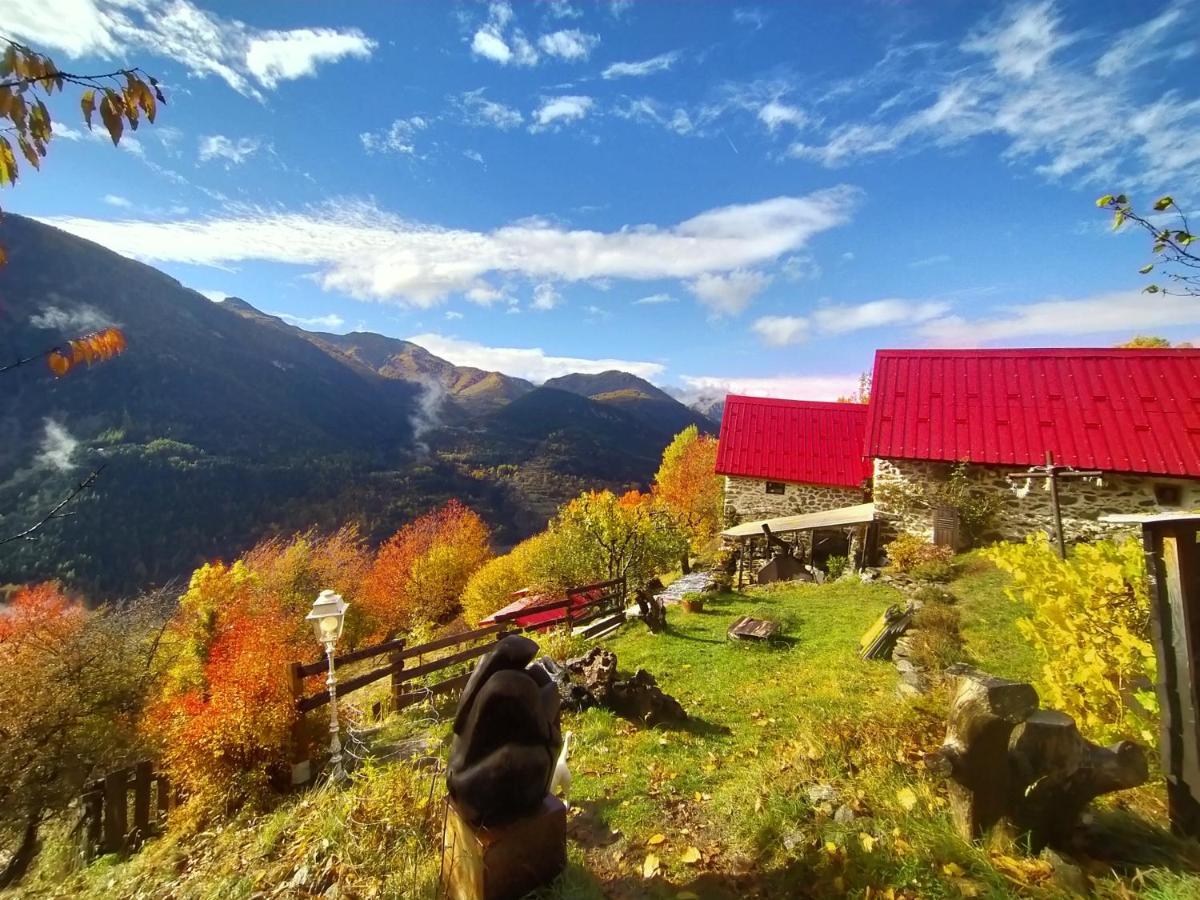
[(711, 195)]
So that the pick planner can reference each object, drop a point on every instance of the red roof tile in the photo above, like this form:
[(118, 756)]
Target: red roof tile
[(1120, 410), (793, 440)]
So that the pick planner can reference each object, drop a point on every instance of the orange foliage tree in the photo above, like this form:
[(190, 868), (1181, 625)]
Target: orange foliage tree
[(420, 573), (223, 717), (71, 684), (687, 484)]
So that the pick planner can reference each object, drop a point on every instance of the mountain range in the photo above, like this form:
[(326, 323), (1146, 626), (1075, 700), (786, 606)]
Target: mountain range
[(222, 425)]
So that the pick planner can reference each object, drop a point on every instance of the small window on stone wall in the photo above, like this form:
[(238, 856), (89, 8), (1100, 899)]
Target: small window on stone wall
[(1168, 494), (775, 487)]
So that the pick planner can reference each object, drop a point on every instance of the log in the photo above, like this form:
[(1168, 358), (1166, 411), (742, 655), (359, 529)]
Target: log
[(983, 714), (1056, 773)]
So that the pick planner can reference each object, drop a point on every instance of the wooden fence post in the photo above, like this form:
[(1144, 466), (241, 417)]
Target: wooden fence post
[(299, 734), (93, 812), (141, 801), (116, 813), (397, 681), (163, 799)]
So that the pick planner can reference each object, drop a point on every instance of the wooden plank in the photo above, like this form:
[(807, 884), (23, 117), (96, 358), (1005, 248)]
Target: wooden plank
[(141, 799), (533, 610), (411, 698), (344, 687), (93, 813), (597, 586), (116, 813), (451, 640), (320, 665), (299, 729), (447, 661), (604, 625)]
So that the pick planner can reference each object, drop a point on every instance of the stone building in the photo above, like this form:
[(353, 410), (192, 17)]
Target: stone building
[(1132, 414), (784, 457)]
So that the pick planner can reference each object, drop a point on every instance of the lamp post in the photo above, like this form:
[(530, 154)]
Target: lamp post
[(327, 615)]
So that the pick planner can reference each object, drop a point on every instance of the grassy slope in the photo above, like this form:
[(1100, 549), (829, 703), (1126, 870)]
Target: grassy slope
[(768, 724)]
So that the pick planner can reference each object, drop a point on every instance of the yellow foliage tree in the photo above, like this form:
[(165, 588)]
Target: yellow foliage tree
[(492, 586), (687, 484), (1090, 625)]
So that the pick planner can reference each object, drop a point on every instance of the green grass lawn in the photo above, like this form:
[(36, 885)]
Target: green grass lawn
[(740, 802)]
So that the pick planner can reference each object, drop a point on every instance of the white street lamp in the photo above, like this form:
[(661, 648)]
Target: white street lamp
[(327, 616)]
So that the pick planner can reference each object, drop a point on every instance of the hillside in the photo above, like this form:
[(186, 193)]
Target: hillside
[(656, 412), (222, 425)]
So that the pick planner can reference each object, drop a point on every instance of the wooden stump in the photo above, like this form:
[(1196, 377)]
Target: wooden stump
[(983, 714), (1056, 773), (508, 862)]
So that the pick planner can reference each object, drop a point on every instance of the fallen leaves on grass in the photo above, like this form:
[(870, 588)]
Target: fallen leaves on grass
[(691, 856), (651, 866), (655, 839), (907, 799)]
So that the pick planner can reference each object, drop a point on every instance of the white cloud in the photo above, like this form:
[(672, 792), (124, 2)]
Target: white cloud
[(1149, 43), (246, 58), (118, 201), (561, 9), (936, 260), (1121, 313), (478, 110), (234, 152), (329, 322), (1012, 79), (730, 293), (453, 315), (532, 363), (774, 114), (568, 108), (571, 45), (356, 249), (749, 15), (641, 68), (644, 109), (58, 446), (474, 156), (795, 387), (545, 296), (655, 299), (876, 314), (491, 46), (780, 331), (399, 137)]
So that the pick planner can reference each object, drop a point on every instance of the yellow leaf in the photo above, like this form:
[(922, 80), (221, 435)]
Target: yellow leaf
[(954, 870), (87, 103), (650, 867), (690, 856), (867, 841), (655, 839), (907, 799), (110, 114)]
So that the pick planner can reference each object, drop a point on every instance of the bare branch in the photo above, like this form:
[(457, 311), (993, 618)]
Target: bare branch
[(30, 533)]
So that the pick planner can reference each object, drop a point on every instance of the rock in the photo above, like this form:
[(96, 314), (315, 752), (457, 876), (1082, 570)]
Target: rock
[(844, 815), (902, 648), (793, 839), (642, 699), (903, 666), (821, 793), (1067, 875), (595, 672)]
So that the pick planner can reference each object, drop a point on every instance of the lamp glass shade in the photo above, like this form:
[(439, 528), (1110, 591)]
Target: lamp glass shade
[(327, 616)]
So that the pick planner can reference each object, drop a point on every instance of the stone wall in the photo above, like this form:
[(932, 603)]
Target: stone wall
[(1082, 501), (746, 499)]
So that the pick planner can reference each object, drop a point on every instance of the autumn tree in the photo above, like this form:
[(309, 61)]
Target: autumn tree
[(687, 484), (73, 681), (527, 565), (1150, 342), (601, 536), (862, 393), (1171, 239), (419, 574)]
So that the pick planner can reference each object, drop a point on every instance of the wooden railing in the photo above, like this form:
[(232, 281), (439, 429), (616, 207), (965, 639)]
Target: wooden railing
[(602, 610), (105, 809)]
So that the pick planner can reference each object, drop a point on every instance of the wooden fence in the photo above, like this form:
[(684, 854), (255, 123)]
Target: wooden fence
[(105, 820), (601, 610)]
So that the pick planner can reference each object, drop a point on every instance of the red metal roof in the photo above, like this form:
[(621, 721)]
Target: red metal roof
[(1121, 410), (793, 440)]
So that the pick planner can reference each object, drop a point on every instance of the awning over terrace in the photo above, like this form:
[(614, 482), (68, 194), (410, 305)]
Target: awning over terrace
[(828, 518)]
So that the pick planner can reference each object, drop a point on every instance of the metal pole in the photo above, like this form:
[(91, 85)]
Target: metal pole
[(336, 772), (1052, 477)]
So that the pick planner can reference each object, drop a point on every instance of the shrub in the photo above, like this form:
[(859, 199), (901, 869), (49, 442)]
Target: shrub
[(835, 567), (933, 571), (492, 585), (560, 644), (1090, 626), (935, 640), (908, 551), (937, 617), (932, 593)]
